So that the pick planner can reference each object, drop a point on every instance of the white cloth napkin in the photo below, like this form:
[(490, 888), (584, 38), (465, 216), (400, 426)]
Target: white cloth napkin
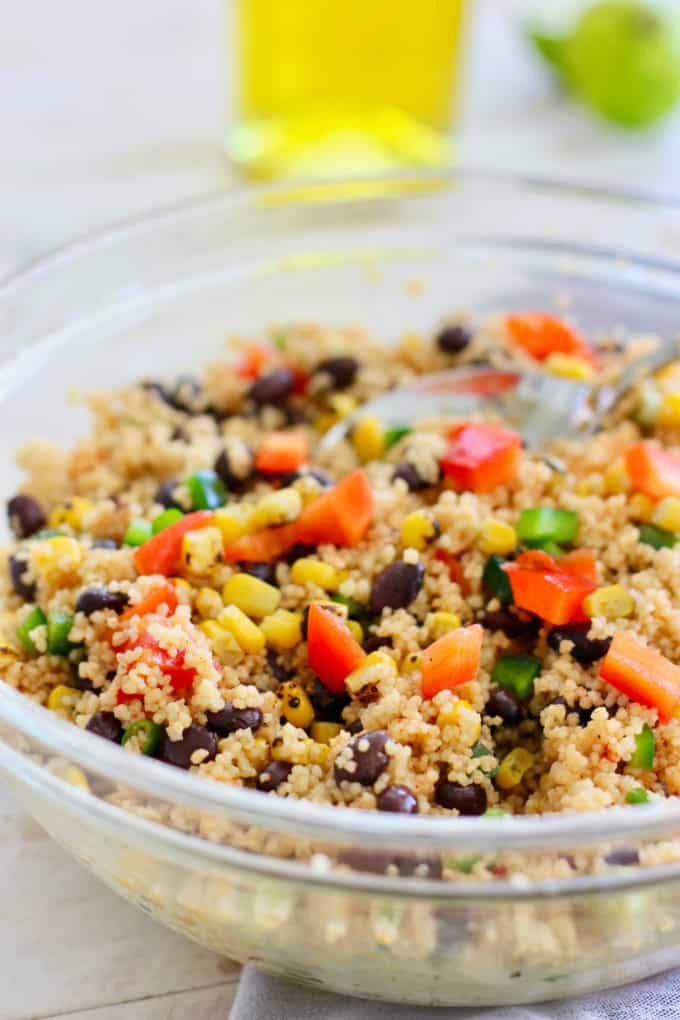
[(263, 997)]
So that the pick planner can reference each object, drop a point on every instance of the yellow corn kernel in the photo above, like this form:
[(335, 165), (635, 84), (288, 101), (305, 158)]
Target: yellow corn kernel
[(323, 732), (640, 506), (296, 707), (282, 629), (231, 520), (375, 667), (71, 513), (181, 582), (325, 422), (356, 630), (460, 713), (311, 571), (62, 699), (611, 602), (583, 488), (381, 659), (441, 623), (59, 554), (342, 405), (616, 478), (253, 596), (669, 411), (224, 645), (208, 603), (202, 550), (497, 537), (7, 655), (317, 752), (513, 768), (418, 528), (411, 663), (568, 366), (280, 507), (248, 635), (666, 514), (75, 776), (368, 439)]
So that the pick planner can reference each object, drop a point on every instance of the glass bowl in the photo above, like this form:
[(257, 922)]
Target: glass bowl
[(343, 899)]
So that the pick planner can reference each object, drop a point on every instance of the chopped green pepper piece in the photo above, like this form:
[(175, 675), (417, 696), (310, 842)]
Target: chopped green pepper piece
[(150, 734), (165, 519), (207, 490), (48, 533), (393, 436), (480, 750), (647, 409), (637, 795), (138, 532), (280, 340), (658, 538), (495, 812), (495, 580), (516, 673), (462, 864), (59, 624), (355, 610), (549, 547), (36, 618), (547, 524), (643, 756)]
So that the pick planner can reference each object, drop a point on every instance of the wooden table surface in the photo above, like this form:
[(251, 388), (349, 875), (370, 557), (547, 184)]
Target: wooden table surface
[(108, 110)]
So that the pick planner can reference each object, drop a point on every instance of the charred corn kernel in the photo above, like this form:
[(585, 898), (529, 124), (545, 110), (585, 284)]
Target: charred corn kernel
[(669, 411), (62, 698), (368, 439), (296, 707), (57, 554), (374, 668), (411, 663), (224, 645), (282, 629), (616, 478), (381, 659), (513, 768), (497, 537), (611, 602), (7, 655), (356, 630), (253, 596), (311, 571), (568, 366), (666, 514), (325, 422), (231, 520), (208, 603), (202, 550), (342, 405), (640, 506), (280, 507), (75, 776), (583, 488), (323, 732), (419, 528), (441, 623), (317, 752), (294, 749), (70, 513), (248, 635)]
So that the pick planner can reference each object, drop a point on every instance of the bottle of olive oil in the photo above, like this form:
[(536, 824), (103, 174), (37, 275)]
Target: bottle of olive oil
[(343, 86)]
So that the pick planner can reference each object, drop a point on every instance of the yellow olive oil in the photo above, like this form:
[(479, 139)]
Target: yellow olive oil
[(344, 86)]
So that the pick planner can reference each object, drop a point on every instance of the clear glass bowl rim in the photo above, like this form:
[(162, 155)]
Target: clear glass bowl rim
[(344, 825)]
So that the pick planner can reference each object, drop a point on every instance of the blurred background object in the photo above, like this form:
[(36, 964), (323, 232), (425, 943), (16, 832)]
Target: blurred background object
[(334, 88)]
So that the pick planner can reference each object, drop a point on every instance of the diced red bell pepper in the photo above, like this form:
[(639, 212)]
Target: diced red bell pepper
[(301, 380), (161, 554), (165, 594), (281, 452), (580, 562), (263, 547), (653, 471), (456, 572), (542, 335), (481, 457), (171, 664), (452, 660), (540, 586), (332, 651), (255, 357), (341, 515), (642, 674)]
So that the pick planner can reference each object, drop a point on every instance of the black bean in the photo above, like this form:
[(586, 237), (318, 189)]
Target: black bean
[(17, 570), (511, 623), (368, 756), (104, 543), (586, 650), (374, 641), (273, 388), (278, 671), (453, 339), (299, 551), (295, 415), (398, 799), (506, 705), (98, 597), (624, 856), (307, 472), (179, 752), (262, 571), (341, 369), (355, 727), (467, 800), (409, 474), (327, 707), (273, 775), (165, 495), (105, 724), (377, 863), (397, 585), (78, 682), (235, 474), (229, 719), (25, 515)]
